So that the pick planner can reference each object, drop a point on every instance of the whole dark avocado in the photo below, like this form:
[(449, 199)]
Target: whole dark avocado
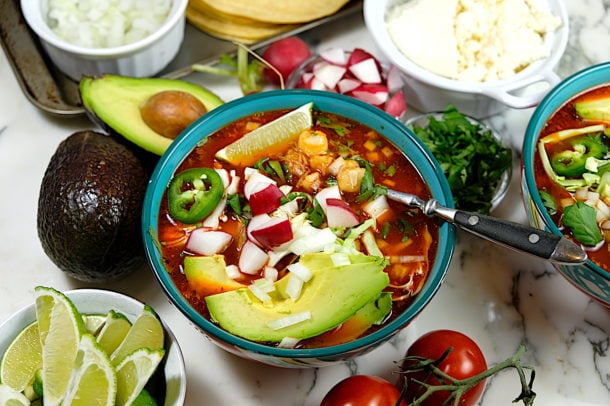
[(89, 208)]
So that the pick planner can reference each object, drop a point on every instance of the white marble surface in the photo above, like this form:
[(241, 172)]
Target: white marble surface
[(498, 297)]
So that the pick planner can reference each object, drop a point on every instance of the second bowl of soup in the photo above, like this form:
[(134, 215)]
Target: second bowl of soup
[(267, 225), (566, 173)]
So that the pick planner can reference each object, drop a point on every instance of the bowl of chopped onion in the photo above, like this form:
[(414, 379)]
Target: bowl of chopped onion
[(127, 38)]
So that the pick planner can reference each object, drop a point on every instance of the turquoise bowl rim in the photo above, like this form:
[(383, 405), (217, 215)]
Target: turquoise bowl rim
[(401, 136), (571, 86)]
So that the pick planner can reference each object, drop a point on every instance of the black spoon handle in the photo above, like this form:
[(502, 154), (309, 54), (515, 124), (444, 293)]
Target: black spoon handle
[(522, 238)]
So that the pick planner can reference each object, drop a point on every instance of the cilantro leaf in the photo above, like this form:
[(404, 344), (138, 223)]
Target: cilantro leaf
[(580, 218)]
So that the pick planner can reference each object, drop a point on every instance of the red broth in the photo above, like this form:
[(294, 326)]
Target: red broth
[(567, 118), (403, 234)]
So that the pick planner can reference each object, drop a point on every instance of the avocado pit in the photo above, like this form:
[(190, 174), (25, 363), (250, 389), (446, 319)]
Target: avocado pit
[(169, 112)]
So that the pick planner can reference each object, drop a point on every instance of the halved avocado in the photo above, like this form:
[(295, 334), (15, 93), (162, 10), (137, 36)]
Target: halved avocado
[(116, 102), (333, 295)]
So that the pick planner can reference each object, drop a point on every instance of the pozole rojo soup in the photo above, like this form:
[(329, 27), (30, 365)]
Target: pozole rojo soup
[(301, 248), (572, 171)]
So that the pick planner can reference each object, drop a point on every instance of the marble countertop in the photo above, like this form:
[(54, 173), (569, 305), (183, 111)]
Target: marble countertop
[(498, 297)]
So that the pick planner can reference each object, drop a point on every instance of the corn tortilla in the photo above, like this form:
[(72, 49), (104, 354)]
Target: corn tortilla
[(277, 11)]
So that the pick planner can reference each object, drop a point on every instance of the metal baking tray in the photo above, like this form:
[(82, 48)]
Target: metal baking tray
[(51, 91)]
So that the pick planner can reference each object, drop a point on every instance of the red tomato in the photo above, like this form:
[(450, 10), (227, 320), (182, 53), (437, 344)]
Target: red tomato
[(465, 361), (362, 390), (285, 55)]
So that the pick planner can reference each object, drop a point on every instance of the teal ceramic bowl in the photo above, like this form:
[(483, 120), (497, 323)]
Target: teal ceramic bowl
[(348, 107), (589, 278)]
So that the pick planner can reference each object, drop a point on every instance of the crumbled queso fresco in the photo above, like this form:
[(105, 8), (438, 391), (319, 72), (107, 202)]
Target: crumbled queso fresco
[(472, 40), (106, 23)]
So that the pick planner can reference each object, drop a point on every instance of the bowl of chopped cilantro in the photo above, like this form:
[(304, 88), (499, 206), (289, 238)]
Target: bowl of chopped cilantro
[(474, 157)]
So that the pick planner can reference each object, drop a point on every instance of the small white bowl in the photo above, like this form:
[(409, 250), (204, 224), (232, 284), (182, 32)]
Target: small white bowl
[(427, 91), (142, 58), (98, 301)]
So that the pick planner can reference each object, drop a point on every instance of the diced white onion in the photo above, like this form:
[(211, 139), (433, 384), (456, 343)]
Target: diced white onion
[(270, 273), (288, 342), (300, 270), (233, 271), (377, 206), (406, 259), (340, 259), (260, 293), (287, 321), (294, 286)]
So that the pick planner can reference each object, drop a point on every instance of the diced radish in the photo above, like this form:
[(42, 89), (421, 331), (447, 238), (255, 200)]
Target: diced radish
[(265, 200), (256, 181), (366, 71), (346, 85), (208, 242), (331, 192), (256, 222), (224, 175), (316, 84), (340, 214), (396, 105), (394, 79), (307, 76), (372, 93), (329, 74), (273, 233), (213, 219), (358, 55), (248, 172), (252, 259), (335, 56)]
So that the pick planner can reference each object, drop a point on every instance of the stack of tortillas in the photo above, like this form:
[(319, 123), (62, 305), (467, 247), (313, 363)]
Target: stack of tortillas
[(249, 21)]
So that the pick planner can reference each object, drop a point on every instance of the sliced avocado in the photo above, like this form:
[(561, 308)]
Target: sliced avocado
[(332, 295), (208, 275), (116, 101), (597, 109)]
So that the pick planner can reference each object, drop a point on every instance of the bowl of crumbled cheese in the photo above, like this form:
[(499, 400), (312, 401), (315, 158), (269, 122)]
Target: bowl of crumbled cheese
[(125, 37), (481, 56)]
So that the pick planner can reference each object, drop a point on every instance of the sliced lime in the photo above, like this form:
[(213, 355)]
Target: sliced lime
[(22, 359), (60, 327), (133, 373), (94, 322), (11, 397), (93, 381), (146, 332), (116, 327)]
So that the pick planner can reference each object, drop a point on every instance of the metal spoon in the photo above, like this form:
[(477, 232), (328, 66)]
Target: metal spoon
[(516, 236)]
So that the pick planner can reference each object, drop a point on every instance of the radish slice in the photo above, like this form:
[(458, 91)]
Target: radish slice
[(340, 214), (252, 259), (335, 56), (358, 55), (213, 219), (394, 79), (208, 242), (255, 223), (331, 192), (256, 181), (346, 85), (372, 93), (273, 233), (366, 71), (265, 200), (329, 74), (396, 105)]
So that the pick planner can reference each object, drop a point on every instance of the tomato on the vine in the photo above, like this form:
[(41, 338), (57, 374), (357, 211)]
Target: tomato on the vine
[(363, 390), (464, 361)]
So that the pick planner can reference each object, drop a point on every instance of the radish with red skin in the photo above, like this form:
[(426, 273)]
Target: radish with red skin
[(255, 223), (340, 214), (331, 192), (273, 233), (208, 242), (252, 258), (346, 85), (329, 74), (285, 55), (255, 182), (266, 199), (372, 93), (336, 56), (396, 105), (366, 71)]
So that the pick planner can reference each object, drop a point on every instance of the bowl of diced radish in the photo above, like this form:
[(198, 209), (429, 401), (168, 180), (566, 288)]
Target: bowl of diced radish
[(356, 73)]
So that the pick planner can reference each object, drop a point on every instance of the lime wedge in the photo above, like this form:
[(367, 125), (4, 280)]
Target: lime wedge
[(93, 381), (11, 397), (94, 322), (133, 373), (22, 359), (146, 332), (144, 399), (113, 332), (269, 139), (60, 327)]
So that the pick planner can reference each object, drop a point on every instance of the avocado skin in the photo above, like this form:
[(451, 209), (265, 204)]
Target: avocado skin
[(89, 208)]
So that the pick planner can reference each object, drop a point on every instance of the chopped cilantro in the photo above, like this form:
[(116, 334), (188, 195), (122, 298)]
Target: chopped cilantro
[(580, 218), (548, 202), (472, 159)]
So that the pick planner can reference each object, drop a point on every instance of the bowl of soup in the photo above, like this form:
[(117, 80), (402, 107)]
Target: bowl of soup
[(565, 173), (267, 225)]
